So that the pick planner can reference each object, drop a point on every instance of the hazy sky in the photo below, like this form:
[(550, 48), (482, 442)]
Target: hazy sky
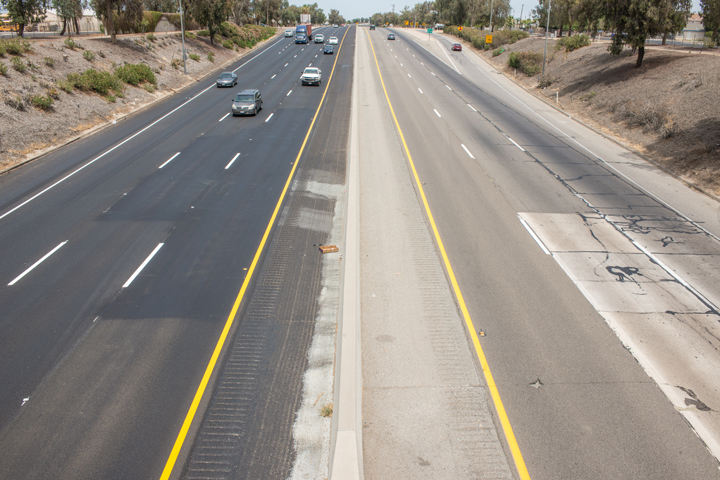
[(364, 8)]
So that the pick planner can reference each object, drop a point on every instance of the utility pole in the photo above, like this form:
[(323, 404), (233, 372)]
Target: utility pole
[(521, 10), (547, 28), (182, 32), (491, 12)]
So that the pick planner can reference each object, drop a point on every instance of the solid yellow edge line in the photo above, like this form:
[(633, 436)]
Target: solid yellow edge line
[(504, 420), (170, 464)]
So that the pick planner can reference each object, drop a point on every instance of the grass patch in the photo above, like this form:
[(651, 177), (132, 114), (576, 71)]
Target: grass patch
[(70, 43), (50, 62), (150, 88), (211, 57), (3, 70), (228, 44), (327, 410), (13, 47), (88, 55), (194, 56)]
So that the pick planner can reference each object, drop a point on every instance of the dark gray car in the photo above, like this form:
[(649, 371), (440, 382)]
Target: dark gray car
[(247, 102), (227, 79)]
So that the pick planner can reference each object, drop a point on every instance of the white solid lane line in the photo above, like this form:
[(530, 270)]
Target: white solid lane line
[(513, 141), (147, 260), (436, 113), (232, 161), (467, 151), (224, 117), (268, 119), (448, 57), (535, 237), (171, 158), (473, 108), (36, 264)]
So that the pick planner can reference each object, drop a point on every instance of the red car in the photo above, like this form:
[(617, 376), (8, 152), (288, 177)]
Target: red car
[(457, 47)]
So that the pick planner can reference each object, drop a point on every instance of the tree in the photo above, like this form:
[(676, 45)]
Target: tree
[(634, 21), (333, 16), (118, 15), (68, 11), (25, 12), (165, 6), (209, 13), (711, 17)]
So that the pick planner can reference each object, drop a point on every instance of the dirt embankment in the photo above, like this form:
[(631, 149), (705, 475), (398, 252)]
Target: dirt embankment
[(668, 109), (27, 130)]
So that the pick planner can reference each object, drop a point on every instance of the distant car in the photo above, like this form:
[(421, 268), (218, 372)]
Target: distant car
[(319, 38), (301, 39), (333, 41), (391, 36), (335, 25), (289, 33), (227, 79), (457, 47), (372, 27), (311, 76), (328, 49), (247, 102)]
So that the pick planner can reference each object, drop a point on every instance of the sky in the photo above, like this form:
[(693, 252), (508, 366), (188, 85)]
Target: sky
[(364, 8)]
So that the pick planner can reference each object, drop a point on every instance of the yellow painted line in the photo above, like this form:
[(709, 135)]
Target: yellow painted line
[(170, 464), (504, 420)]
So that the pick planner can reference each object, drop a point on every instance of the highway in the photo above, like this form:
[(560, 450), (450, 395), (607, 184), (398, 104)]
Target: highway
[(537, 217), (124, 253), (167, 313)]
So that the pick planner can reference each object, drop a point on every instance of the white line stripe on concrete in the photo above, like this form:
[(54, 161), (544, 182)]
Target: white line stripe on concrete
[(535, 237), (224, 117), (467, 151), (268, 119), (437, 113)]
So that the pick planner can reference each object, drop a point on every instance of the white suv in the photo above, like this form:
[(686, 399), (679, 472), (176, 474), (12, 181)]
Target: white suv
[(311, 76)]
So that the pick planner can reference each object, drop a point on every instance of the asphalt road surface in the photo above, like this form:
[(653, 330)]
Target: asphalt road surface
[(123, 255)]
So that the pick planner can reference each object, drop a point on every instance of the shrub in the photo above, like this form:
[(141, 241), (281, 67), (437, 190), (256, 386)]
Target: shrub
[(49, 61), (150, 88), (529, 63), (191, 35), (573, 43), (545, 81), (3, 70), (135, 74), (88, 55), (211, 57), (18, 65), (228, 44), (70, 43), (96, 81), (53, 93), (194, 56), (150, 37), (204, 33), (111, 98), (66, 86), (176, 63), (217, 39), (498, 51), (26, 46), (41, 101), (3, 50), (13, 47)]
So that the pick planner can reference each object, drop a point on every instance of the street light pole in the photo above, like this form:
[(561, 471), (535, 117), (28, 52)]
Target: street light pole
[(182, 33), (547, 28)]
